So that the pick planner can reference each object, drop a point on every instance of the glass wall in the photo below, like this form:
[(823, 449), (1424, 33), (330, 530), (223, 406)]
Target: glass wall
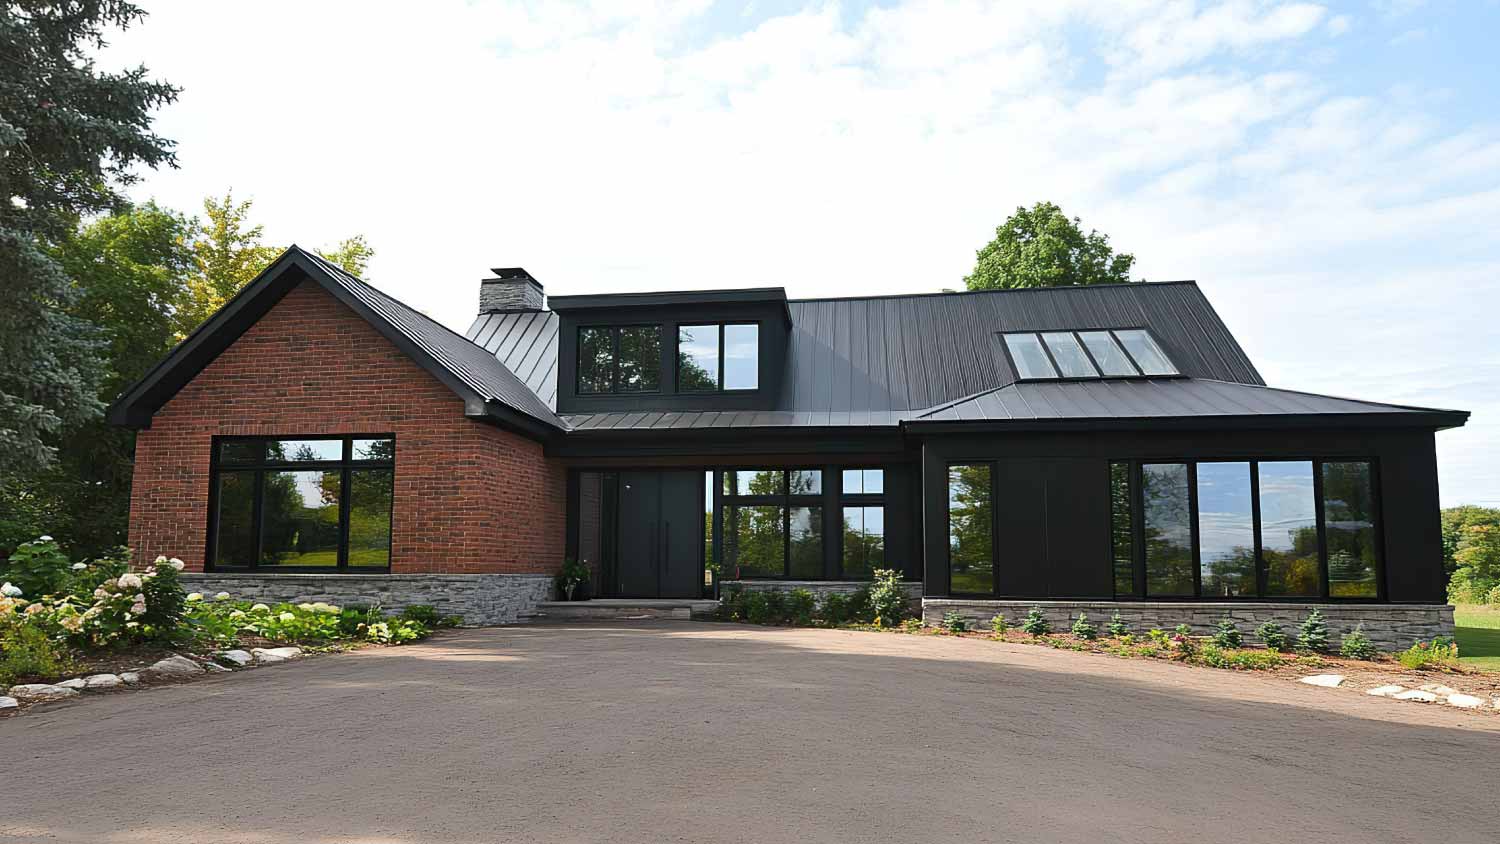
[(773, 523), (1289, 528), (1349, 523), (1226, 530), (619, 359), (1168, 525), (971, 524)]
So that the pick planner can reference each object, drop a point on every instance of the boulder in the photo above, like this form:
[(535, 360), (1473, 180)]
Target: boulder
[(9, 703), (1386, 691), (102, 681), (1465, 701), (36, 692), (1329, 681), (215, 668), (174, 666), (236, 657), (130, 678), (1438, 689), (1419, 695), (77, 684), (270, 655)]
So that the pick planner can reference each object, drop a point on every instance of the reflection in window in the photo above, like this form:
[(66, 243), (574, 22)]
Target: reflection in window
[(697, 358), (864, 481), (1031, 361), (805, 482), (1168, 529), (755, 482), (235, 544), (710, 566), (1112, 360), (1122, 528), (300, 519), (596, 360), (805, 525), (755, 540), (1226, 530), (619, 359), (864, 542), (304, 451), (1289, 528), (741, 357), (1071, 360), (971, 567), (384, 449), (1148, 356), (1349, 528), (370, 495)]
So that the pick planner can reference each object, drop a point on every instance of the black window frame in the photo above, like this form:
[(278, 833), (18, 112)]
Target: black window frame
[(786, 500), (345, 465), (718, 376), (858, 499), (1089, 354), (1261, 567), (614, 359)]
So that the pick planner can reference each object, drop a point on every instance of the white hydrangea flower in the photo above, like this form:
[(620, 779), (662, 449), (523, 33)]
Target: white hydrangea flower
[(286, 616), (260, 608), (177, 564), (10, 591), (80, 566), (237, 614), (160, 558), (195, 596), (138, 608), (44, 539), (222, 596), (305, 607), (130, 580)]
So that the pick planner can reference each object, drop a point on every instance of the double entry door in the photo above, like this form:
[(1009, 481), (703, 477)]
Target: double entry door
[(659, 551)]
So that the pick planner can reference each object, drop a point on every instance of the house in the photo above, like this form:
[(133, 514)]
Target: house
[(1085, 449)]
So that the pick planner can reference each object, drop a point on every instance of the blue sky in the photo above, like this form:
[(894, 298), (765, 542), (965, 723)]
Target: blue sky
[(1328, 172)]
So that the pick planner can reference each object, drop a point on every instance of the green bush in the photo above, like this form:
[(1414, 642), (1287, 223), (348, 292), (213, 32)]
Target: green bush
[(300, 623), (954, 622), (835, 609), (775, 606), (998, 624), (756, 607), (1217, 657), (887, 598), (1159, 638), (428, 616), (1313, 635), (1036, 623), (1083, 629), (1117, 626), (800, 606), (861, 606), (1227, 634), (732, 604), (1183, 630), (352, 616), (1272, 635), (1441, 652), (26, 651), (37, 568), (394, 631), (1356, 645)]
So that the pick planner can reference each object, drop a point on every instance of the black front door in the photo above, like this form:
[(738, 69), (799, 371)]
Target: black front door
[(660, 552)]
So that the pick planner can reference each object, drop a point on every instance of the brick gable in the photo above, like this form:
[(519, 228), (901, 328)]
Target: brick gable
[(469, 497)]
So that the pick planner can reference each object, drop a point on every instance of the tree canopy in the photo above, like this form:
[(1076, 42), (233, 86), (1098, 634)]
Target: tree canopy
[(1041, 247)]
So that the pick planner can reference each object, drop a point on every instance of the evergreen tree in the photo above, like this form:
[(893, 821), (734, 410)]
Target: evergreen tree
[(1036, 623), (1083, 628), (1226, 634), (1356, 645), (1272, 635), (1117, 626), (1313, 635)]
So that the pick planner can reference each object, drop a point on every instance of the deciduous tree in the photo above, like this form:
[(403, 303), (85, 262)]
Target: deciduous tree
[(1041, 247)]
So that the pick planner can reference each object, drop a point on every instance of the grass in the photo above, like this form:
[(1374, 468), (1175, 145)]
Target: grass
[(1477, 629)]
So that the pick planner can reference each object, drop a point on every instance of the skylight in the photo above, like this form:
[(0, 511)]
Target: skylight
[(1123, 353)]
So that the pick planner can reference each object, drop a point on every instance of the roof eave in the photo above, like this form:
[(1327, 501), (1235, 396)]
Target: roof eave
[(1434, 421)]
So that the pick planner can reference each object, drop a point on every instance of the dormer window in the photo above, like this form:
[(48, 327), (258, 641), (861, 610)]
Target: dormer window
[(718, 357), (619, 359), (1124, 353)]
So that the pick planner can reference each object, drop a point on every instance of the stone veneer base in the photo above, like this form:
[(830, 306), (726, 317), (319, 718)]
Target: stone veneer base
[(1390, 626), (480, 599)]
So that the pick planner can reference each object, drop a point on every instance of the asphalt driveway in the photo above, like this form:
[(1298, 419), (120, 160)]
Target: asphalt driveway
[(646, 732)]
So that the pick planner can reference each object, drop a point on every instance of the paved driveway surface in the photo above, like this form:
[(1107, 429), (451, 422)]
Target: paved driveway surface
[(663, 731)]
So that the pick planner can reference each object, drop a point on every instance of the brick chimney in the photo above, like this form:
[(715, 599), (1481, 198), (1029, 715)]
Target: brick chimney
[(512, 289)]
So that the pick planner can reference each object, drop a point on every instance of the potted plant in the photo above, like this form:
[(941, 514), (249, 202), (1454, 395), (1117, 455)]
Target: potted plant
[(573, 580)]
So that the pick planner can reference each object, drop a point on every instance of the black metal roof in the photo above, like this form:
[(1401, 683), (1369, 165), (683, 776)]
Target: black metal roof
[(526, 342), (488, 387)]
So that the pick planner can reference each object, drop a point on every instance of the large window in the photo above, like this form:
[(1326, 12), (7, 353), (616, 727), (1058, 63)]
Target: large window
[(971, 525), (718, 357), (1245, 529), (619, 359), (1125, 353), (862, 503), (773, 523), (315, 503)]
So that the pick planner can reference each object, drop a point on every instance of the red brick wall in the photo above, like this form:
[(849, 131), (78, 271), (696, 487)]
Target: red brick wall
[(469, 497)]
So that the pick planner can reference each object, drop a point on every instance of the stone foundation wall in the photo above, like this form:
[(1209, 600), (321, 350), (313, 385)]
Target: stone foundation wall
[(819, 588), (1389, 626), (480, 599)]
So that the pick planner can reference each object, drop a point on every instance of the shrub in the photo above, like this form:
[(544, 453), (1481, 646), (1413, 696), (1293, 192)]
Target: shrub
[(574, 573), (303, 623), (800, 605), (732, 604), (353, 616), (1159, 638), (131, 607), (165, 600), (775, 607), (428, 616), (1226, 634), (37, 568), (394, 631), (756, 607), (27, 651), (1272, 635), (1313, 635), (861, 606), (1356, 645), (1184, 646), (1183, 630), (887, 598), (999, 624), (1217, 657), (211, 623), (835, 609), (1439, 653), (1117, 626), (954, 622), (1036, 623), (1083, 629)]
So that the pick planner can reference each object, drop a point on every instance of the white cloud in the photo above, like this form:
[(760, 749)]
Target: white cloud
[(840, 152)]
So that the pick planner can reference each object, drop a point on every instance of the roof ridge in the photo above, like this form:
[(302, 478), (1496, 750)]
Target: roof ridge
[(1130, 284)]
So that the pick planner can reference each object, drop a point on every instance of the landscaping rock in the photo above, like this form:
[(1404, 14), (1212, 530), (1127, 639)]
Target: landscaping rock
[(1465, 701), (238, 657), (1418, 695), (130, 678), (215, 668), (1386, 691), (175, 666), (37, 692), (271, 655), (102, 681), (9, 703), (1438, 689), (77, 684), (1329, 681)]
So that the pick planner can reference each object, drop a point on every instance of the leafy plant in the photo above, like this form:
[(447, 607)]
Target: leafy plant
[(954, 622), (1313, 634), (775, 606), (1356, 645), (1256, 660), (37, 568), (1227, 634), (428, 616), (732, 604), (574, 573), (888, 598), (999, 625), (1183, 630), (1083, 628), (1440, 653), (861, 606), (1035, 623), (800, 606), (1272, 635), (1184, 646), (1117, 626), (835, 609), (1159, 638), (394, 631), (27, 651), (756, 607)]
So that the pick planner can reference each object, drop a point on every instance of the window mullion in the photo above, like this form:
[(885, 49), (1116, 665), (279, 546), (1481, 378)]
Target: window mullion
[(1260, 563), (1317, 466), (1196, 555), (256, 509)]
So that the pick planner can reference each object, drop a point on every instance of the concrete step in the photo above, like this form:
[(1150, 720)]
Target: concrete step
[(620, 609)]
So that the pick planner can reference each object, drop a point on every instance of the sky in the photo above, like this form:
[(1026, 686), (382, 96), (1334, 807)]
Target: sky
[(1329, 173)]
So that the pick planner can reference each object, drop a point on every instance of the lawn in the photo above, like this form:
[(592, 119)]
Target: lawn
[(1478, 634)]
